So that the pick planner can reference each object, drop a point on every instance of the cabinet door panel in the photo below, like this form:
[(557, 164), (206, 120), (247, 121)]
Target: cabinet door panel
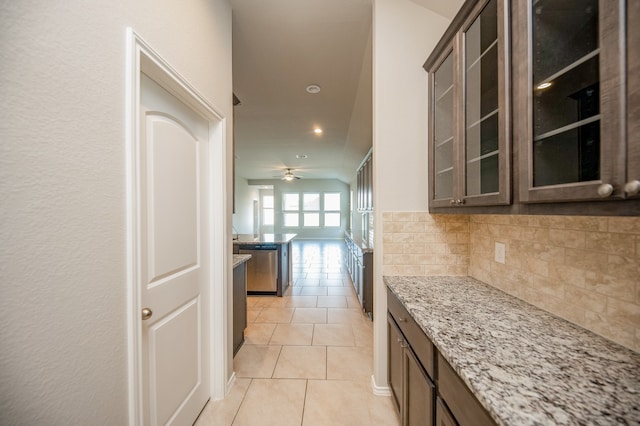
[(419, 391), (395, 355), (442, 150), (486, 135), (569, 93)]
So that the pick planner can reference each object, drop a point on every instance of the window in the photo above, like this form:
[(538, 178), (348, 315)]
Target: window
[(311, 208), (291, 207), (267, 210), (332, 209)]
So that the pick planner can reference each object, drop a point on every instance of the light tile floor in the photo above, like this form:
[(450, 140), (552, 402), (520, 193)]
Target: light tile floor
[(307, 357)]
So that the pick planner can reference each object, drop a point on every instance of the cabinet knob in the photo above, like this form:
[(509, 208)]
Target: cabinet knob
[(632, 187), (605, 190)]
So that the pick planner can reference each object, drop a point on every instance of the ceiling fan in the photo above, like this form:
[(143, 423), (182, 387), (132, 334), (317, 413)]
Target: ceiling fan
[(289, 176)]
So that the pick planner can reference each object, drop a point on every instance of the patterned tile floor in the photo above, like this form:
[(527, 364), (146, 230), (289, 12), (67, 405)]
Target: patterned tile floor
[(307, 357)]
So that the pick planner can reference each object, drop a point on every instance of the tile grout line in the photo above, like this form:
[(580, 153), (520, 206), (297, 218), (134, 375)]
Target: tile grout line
[(235, 416), (304, 400)]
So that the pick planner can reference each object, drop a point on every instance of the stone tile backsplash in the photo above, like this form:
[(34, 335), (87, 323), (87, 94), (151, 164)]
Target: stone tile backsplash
[(583, 269)]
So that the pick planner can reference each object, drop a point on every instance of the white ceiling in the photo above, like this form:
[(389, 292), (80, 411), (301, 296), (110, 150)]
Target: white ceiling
[(279, 48)]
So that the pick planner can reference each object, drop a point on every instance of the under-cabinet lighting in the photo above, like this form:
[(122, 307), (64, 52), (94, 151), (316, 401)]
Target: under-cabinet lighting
[(544, 85)]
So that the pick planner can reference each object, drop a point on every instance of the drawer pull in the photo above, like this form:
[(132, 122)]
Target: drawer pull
[(402, 320)]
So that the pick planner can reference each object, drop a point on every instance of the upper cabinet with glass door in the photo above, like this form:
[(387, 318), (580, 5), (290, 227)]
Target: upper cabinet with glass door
[(469, 122), (569, 99)]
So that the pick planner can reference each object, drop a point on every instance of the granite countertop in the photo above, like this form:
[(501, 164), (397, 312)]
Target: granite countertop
[(238, 259), (263, 238), (525, 366), (357, 240)]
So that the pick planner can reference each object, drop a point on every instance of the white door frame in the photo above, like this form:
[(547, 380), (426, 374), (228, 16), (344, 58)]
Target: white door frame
[(142, 58)]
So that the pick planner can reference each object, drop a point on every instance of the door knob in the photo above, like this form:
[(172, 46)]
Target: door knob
[(146, 313)]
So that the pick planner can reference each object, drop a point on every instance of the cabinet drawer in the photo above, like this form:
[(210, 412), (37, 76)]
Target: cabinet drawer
[(463, 405), (416, 338)]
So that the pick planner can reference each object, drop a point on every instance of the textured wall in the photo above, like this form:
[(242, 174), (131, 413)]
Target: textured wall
[(584, 269), (422, 244), (63, 350)]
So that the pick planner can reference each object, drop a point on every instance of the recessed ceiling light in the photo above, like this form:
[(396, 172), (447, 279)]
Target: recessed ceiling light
[(317, 131), (302, 156), (313, 89), (543, 86)]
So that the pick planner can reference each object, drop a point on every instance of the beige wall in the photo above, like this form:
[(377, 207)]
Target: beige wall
[(63, 289), (404, 34), (584, 269)]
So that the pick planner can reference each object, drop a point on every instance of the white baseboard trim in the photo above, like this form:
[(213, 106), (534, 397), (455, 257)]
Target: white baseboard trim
[(379, 390), (230, 383)]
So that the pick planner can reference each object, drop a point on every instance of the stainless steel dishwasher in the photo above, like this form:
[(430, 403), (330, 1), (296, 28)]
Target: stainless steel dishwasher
[(262, 268)]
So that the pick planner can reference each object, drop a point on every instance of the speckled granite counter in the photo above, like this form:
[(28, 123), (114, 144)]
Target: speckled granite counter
[(239, 259), (525, 366)]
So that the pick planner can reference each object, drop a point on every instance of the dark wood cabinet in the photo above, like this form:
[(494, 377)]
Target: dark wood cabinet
[(419, 391), (569, 99), (469, 123), (359, 262), (410, 374), (239, 305), (396, 366), (414, 366), (632, 185), (364, 184), (443, 415), (565, 77)]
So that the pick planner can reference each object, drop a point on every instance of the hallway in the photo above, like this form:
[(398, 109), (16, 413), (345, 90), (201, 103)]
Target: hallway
[(307, 357)]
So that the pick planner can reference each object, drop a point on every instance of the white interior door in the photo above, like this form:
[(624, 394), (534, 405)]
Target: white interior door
[(174, 258)]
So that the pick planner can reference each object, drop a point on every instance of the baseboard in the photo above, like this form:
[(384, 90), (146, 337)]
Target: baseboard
[(230, 383), (379, 390)]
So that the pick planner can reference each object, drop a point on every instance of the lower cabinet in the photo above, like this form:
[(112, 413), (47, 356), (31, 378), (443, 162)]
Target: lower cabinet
[(239, 305), (443, 415), (411, 386), (419, 392), (414, 366), (360, 266)]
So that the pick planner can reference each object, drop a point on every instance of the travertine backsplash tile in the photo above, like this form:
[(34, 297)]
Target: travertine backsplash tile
[(417, 243), (584, 269)]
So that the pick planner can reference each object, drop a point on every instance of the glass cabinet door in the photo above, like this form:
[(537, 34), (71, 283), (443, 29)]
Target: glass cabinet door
[(482, 106), (470, 136), (566, 92), (443, 140), (574, 99)]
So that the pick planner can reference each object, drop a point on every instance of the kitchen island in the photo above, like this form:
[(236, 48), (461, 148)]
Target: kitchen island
[(524, 365), (269, 269)]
